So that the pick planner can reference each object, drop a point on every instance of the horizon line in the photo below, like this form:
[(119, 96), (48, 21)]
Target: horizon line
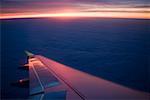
[(78, 15)]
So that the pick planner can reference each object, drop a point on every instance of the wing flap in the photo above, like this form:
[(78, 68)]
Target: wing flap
[(60, 95), (40, 77), (35, 86)]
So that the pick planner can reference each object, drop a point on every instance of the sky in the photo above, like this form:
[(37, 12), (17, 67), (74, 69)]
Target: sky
[(75, 8)]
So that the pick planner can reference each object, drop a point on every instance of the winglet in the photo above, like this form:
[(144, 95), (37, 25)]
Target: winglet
[(29, 54)]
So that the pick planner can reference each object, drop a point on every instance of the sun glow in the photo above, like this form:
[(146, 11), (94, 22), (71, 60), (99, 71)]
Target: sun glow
[(75, 9), (79, 14)]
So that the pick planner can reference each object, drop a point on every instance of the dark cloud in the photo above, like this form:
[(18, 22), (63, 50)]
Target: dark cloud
[(116, 11)]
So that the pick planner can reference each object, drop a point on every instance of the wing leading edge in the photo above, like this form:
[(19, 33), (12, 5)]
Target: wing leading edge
[(50, 79)]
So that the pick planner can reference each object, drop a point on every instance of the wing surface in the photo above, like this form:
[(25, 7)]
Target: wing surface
[(50, 79)]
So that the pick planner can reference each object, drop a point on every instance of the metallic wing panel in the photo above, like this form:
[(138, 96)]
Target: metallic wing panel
[(48, 77)]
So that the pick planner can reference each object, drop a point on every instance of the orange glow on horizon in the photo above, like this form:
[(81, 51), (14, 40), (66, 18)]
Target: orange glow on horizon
[(80, 14), (76, 9)]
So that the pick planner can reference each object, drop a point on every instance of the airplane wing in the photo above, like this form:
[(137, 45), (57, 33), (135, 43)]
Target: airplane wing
[(50, 80)]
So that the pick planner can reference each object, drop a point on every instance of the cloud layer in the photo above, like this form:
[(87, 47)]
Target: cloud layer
[(97, 7)]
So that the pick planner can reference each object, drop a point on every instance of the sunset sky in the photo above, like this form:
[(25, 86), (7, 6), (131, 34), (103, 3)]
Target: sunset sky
[(75, 8)]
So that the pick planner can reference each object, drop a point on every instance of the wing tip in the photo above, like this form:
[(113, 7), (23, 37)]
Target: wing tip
[(29, 53)]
